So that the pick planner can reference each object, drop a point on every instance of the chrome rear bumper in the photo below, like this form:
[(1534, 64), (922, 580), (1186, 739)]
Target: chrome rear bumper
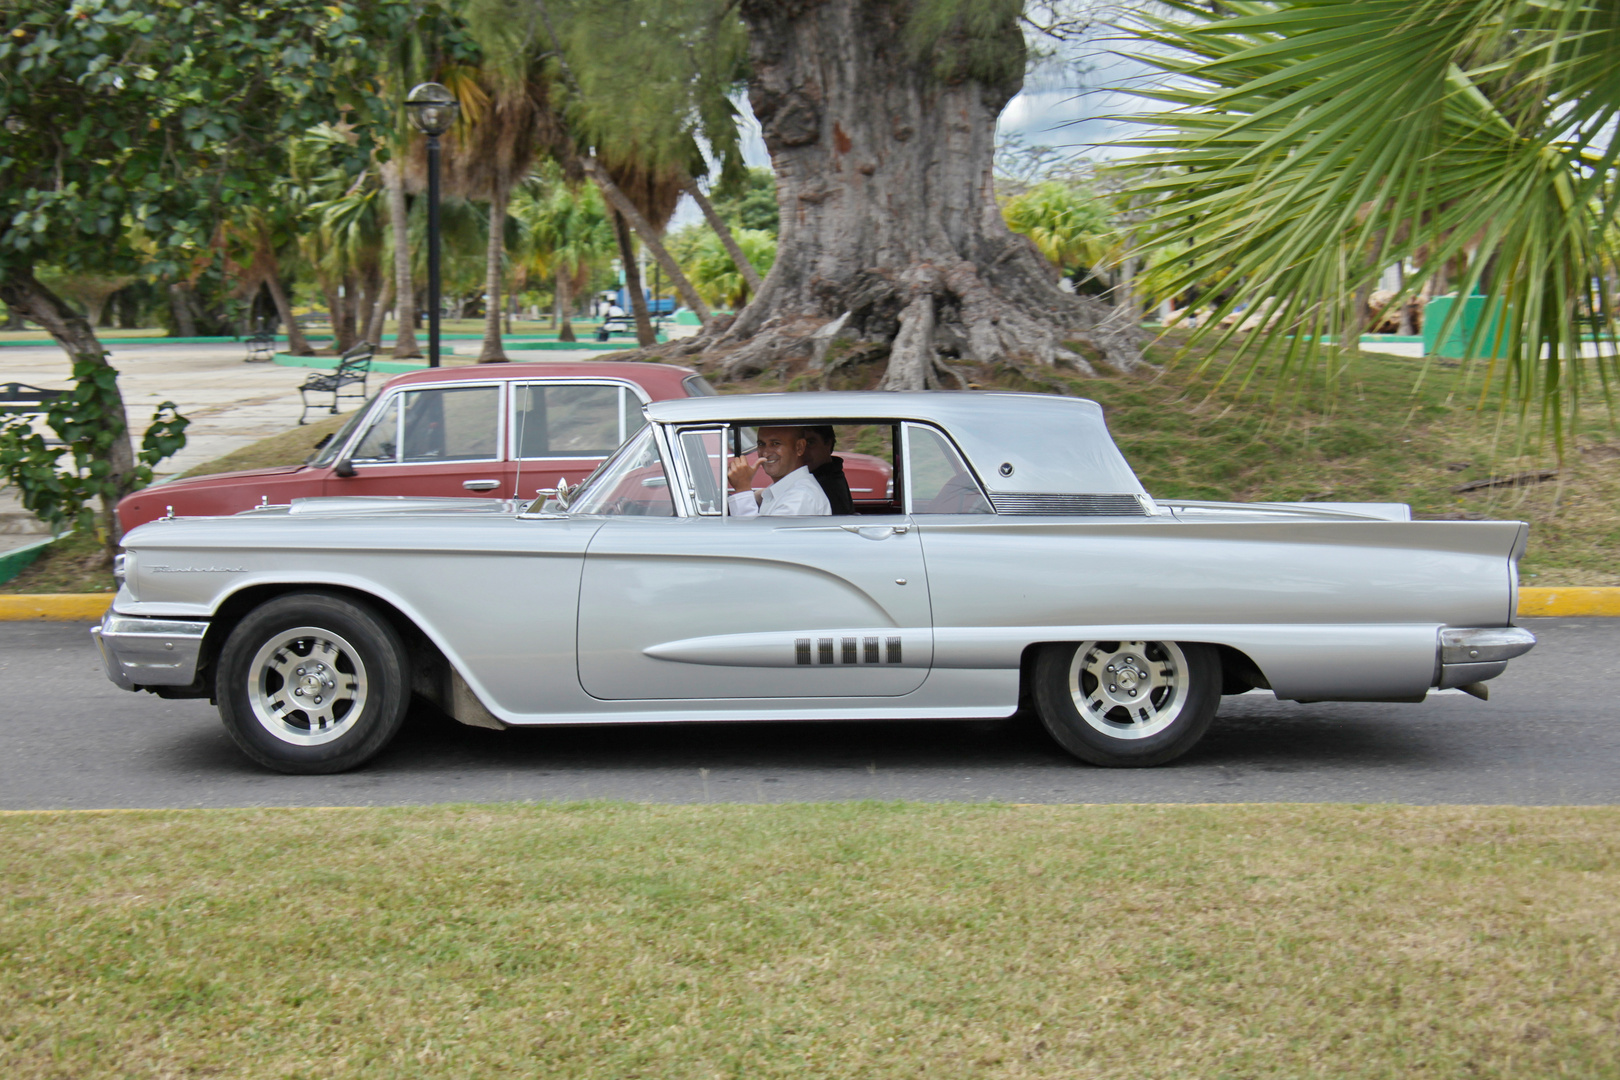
[(140, 652), (1471, 655)]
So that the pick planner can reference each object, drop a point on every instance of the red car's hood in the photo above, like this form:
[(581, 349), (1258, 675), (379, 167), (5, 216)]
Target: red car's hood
[(232, 477)]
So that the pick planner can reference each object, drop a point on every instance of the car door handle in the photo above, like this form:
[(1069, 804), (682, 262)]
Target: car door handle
[(480, 485), (877, 532)]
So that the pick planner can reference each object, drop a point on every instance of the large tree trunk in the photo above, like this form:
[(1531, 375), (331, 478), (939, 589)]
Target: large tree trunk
[(495, 252), (399, 221), (883, 169), (22, 292), (645, 334), (297, 344)]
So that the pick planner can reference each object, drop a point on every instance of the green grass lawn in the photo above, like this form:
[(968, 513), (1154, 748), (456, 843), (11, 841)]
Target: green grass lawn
[(838, 940)]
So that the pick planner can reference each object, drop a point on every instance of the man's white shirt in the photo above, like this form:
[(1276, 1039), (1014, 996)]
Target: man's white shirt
[(798, 494)]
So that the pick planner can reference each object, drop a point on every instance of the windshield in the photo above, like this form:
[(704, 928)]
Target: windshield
[(632, 482), (329, 450)]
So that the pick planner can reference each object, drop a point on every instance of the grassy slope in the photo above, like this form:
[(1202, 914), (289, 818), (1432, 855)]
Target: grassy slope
[(841, 940), (1373, 437)]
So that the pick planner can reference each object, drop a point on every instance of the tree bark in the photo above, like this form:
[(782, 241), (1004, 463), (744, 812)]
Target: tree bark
[(565, 299), (752, 281), (649, 236), (297, 343), (399, 221), (884, 168), (185, 316), (379, 311), (494, 253), (22, 292), (645, 334)]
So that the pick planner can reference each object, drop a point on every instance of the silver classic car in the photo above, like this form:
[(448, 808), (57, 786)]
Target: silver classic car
[(1016, 560)]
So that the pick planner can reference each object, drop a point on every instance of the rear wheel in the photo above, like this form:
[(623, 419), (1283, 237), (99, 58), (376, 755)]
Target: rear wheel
[(312, 683), (1127, 703)]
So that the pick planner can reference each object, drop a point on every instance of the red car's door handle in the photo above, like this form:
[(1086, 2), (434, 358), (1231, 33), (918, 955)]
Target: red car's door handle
[(480, 485)]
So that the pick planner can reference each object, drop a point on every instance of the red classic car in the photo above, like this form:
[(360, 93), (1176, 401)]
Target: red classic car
[(499, 430)]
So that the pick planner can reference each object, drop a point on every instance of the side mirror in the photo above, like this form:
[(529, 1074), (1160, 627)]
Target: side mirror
[(344, 468), (559, 494)]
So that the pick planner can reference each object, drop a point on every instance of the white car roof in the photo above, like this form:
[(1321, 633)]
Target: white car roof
[(1037, 443)]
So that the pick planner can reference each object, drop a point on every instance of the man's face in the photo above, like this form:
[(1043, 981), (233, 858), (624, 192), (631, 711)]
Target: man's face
[(817, 451), (781, 450)]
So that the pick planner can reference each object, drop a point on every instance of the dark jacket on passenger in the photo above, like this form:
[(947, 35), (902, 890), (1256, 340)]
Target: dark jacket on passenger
[(830, 475)]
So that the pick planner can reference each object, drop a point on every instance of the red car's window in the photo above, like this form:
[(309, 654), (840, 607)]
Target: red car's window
[(574, 420), (454, 424)]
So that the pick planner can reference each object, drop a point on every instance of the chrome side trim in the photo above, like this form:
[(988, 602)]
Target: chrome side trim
[(141, 652)]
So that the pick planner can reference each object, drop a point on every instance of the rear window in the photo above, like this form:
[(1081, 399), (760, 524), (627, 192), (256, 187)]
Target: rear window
[(698, 386)]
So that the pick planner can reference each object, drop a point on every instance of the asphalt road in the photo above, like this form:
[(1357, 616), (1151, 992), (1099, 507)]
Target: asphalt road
[(1549, 735)]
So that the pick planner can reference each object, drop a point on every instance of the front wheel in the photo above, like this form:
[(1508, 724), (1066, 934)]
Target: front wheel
[(312, 683), (1127, 703)]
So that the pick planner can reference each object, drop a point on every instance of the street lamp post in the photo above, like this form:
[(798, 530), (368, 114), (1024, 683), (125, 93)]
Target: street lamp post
[(432, 109)]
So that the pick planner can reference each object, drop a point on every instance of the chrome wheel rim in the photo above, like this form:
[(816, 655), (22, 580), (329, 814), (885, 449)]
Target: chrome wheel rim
[(1129, 689), (307, 686)]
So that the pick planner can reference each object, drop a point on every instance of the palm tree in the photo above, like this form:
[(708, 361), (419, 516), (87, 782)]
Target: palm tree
[(1309, 144), (1069, 224), (566, 233)]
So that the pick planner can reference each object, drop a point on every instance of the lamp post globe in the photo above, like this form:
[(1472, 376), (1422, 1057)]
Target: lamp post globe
[(432, 110)]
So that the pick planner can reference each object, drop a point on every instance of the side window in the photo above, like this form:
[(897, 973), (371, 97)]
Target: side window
[(573, 420), (381, 440), (458, 423), (940, 482)]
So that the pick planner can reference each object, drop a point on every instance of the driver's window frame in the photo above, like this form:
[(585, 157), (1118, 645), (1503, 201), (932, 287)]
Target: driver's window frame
[(685, 474)]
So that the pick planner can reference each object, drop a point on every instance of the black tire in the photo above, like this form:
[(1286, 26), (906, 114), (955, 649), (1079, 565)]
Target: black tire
[(346, 666), (1178, 689)]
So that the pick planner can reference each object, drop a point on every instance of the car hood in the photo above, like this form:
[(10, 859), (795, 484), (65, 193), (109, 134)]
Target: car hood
[(228, 477)]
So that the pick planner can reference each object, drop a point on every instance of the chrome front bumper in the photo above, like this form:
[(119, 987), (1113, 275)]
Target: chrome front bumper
[(1471, 655), (141, 652)]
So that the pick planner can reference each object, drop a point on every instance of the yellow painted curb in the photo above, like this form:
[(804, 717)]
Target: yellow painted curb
[(56, 607), (1573, 600)]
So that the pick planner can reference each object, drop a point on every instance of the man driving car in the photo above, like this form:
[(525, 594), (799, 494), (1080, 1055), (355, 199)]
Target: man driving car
[(793, 491)]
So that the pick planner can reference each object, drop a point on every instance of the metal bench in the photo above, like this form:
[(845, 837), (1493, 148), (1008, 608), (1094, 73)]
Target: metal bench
[(354, 366), (16, 397), (261, 347)]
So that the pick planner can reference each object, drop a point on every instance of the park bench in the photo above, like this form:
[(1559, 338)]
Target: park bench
[(16, 397), (354, 366), (261, 347)]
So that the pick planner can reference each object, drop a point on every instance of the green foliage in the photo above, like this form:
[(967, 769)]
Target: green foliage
[(1312, 143), (1067, 222), (969, 39), (708, 265), (87, 421), (165, 116), (564, 230), (749, 203)]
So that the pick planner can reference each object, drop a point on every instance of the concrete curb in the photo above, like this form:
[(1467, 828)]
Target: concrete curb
[(19, 559), (89, 607)]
